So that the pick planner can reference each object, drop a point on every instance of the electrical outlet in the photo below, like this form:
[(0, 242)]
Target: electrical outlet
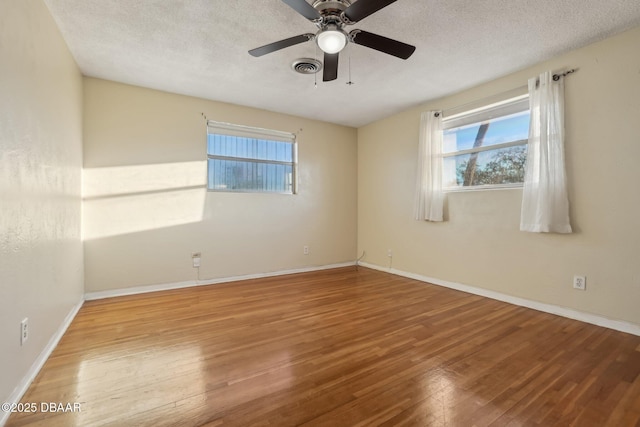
[(389, 253), (24, 330), (305, 250), (580, 282)]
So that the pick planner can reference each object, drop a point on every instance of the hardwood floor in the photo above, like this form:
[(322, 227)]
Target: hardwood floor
[(334, 348)]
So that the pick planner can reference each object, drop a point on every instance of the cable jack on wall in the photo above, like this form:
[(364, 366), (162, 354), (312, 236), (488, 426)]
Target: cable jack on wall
[(196, 258)]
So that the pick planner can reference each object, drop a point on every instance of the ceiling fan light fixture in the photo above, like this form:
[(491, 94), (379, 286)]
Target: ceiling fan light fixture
[(331, 40)]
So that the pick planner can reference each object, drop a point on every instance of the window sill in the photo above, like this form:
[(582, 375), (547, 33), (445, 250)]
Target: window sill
[(483, 188), (286, 193)]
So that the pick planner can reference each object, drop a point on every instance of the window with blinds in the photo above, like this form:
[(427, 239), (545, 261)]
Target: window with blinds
[(248, 159)]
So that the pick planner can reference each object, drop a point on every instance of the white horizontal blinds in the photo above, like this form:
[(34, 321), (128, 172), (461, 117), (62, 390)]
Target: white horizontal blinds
[(484, 114), (249, 132)]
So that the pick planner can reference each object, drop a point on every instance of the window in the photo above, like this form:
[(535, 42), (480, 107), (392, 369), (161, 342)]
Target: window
[(486, 146), (246, 159)]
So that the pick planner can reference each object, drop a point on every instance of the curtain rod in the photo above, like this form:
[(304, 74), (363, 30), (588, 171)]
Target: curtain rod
[(555, 77)]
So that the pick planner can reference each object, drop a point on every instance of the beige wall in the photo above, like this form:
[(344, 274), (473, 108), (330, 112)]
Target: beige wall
[(41, 269), (146, 208), (480, 244)]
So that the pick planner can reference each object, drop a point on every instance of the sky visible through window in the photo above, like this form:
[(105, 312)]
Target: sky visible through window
[(514, 127), (504, 165)]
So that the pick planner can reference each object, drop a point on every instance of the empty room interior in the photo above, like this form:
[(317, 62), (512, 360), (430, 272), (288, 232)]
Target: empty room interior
[(320, 212)]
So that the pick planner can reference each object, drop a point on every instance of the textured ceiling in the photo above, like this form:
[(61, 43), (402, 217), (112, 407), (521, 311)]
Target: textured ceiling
[(199, 48)]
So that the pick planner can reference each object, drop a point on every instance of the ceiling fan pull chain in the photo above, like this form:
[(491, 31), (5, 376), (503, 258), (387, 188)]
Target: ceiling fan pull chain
[(315, 75), (350, 82)]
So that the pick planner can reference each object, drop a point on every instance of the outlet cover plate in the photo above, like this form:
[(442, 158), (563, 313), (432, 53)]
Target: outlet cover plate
[(24, 330)]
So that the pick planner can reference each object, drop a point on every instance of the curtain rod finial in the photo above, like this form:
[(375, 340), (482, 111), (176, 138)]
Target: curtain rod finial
[(557, 77)]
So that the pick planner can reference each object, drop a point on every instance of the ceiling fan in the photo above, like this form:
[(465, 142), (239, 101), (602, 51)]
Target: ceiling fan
[(331, 16)]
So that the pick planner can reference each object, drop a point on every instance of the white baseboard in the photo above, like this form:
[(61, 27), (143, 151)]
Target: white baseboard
[(26, 381), (618, 325), (178, 285)]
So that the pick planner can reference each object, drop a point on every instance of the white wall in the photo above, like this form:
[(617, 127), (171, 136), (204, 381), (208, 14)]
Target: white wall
[(480, 244), (146, 208), (41, 272)]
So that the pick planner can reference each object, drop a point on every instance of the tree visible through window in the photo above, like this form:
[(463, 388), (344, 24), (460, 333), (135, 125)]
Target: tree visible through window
[(486, 147)]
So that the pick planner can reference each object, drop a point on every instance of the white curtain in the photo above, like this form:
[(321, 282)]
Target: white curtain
[(545, 206), (429, 198)]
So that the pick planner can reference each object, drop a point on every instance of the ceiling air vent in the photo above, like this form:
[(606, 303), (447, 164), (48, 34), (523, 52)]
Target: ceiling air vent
[(306, 66)]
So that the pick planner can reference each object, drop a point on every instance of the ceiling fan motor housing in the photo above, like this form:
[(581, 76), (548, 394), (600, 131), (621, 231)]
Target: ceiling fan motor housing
[(331, 6)]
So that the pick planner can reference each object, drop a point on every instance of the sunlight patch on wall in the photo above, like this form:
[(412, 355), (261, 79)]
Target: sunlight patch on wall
[(124, 180), (128, 199)]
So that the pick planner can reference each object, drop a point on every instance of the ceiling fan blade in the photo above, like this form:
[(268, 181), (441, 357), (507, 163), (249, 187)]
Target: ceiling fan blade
[(303, 8), (272, 47), (363, 8), (381, 43), (330, 67)]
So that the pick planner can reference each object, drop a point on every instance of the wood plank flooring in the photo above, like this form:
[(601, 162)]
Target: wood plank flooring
[(334, 348)]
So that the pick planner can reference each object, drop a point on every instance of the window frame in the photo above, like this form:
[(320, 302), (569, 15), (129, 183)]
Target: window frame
[(242, 131), (480, 114)]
